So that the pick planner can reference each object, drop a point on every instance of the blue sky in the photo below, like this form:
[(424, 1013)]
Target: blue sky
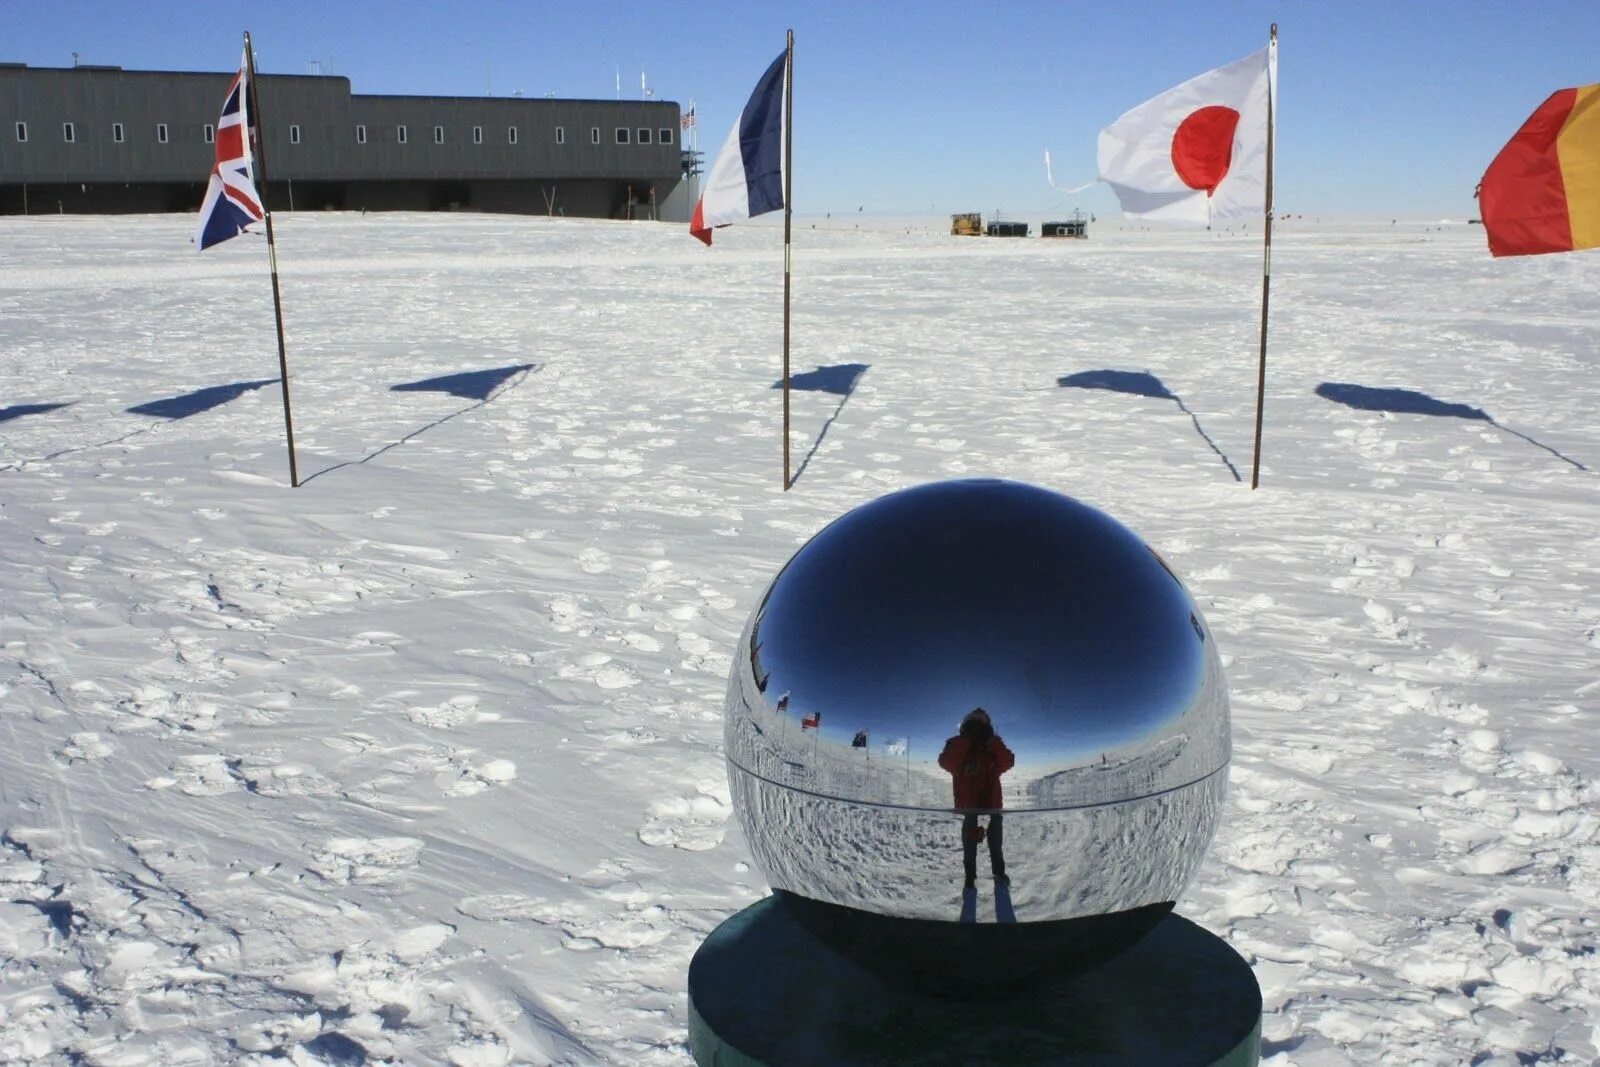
[(1386, 108)]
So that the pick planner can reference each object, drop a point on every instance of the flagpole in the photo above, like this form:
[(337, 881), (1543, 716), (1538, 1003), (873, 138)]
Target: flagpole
[(272, 251), (1266, 260), (788, 216)]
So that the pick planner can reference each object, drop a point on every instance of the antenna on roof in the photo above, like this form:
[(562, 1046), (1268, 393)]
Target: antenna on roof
[(74, 59)]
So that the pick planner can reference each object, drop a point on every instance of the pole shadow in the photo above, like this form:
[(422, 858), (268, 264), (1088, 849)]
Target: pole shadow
[(47, 457), (481, 386), (181, 407), (1397, 401), (16, 411), (841, 380), (1142, 383)]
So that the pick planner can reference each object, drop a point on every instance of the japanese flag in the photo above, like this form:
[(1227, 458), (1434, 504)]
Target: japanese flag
[(1196, 153)]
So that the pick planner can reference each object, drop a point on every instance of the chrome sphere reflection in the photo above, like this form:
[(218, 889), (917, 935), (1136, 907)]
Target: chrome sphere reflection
[(887, 628)]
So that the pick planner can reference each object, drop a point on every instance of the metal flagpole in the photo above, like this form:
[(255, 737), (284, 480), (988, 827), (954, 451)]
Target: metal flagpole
[(1266, 259), (788, 216), (272, 251)]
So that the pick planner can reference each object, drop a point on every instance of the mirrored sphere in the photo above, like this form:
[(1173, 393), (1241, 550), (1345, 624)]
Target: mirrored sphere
[(1102, 777)]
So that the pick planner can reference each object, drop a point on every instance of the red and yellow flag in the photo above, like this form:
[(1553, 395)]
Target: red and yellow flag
[(1542, 192)]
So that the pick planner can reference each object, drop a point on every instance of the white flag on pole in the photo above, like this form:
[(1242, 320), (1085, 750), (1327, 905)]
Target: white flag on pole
[(1196, 153)]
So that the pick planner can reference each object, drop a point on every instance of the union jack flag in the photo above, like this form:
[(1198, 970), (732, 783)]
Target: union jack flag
[(231, 202)]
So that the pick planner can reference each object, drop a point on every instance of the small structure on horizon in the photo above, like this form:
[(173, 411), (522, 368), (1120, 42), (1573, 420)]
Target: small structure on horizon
[(997, 228), (1077, 226)]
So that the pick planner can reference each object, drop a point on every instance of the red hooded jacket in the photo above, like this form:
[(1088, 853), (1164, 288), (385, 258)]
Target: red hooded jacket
[(975, 770)]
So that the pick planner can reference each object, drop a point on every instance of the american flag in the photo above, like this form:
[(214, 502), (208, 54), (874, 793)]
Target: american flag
[(688, 118), (231, 202)]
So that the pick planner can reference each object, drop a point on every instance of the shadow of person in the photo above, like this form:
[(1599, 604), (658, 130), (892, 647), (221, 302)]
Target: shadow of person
[(975, 759), (1004, 912)]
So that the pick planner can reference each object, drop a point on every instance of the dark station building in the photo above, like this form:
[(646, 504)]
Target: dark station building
[(103, 139)]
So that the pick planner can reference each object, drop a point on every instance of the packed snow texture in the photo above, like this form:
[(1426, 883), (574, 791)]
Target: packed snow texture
[(422, 761)]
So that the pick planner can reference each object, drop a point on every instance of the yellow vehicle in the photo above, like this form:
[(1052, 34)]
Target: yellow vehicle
[(966, 225)]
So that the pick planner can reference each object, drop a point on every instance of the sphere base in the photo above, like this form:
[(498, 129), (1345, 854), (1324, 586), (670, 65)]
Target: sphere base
[(973, 958), (763, 990)]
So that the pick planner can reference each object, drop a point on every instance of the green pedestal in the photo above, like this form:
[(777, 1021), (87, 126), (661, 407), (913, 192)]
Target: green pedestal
[(764, 991)]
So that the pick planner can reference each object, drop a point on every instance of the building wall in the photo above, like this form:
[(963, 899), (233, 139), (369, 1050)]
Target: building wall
[(310, 135)]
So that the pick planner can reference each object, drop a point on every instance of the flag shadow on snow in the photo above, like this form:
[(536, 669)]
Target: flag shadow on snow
[(481, 386), (1142, 383), (181, 407), (16, 411), (468, 385), (840, 380), (1396, 401)]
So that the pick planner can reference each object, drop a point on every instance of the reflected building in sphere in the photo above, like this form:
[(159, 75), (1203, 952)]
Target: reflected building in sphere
[(1094, 666)]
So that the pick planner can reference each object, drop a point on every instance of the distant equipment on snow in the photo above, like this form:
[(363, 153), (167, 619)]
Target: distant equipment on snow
[(970, 225)]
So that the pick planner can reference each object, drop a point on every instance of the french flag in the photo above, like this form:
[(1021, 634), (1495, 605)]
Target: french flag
[(747, 179)]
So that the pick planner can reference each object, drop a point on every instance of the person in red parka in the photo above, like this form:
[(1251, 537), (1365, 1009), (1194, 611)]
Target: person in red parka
[(975, 759)]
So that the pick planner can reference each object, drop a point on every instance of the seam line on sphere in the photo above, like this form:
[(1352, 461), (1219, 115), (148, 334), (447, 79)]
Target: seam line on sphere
[(979, 811)]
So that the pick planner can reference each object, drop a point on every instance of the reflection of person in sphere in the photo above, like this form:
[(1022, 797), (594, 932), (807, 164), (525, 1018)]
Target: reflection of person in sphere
[(975, 759)]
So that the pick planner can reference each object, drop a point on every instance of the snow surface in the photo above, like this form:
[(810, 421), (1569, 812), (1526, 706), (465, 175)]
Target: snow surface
[(422, 762)]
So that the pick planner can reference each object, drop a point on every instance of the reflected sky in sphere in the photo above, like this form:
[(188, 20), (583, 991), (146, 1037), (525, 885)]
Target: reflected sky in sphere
[(910, 611)]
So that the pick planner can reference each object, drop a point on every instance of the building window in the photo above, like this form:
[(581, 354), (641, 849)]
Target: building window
[(561, 135), (294, 134), (117, 133), (622, 135), (22, 132), (477, 135), (161, 133), (400, 134), (209, 133), (511, 135), (594, 135), (438, 135), (644, 135), (664, 135), (68, 134), (361, 135)]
